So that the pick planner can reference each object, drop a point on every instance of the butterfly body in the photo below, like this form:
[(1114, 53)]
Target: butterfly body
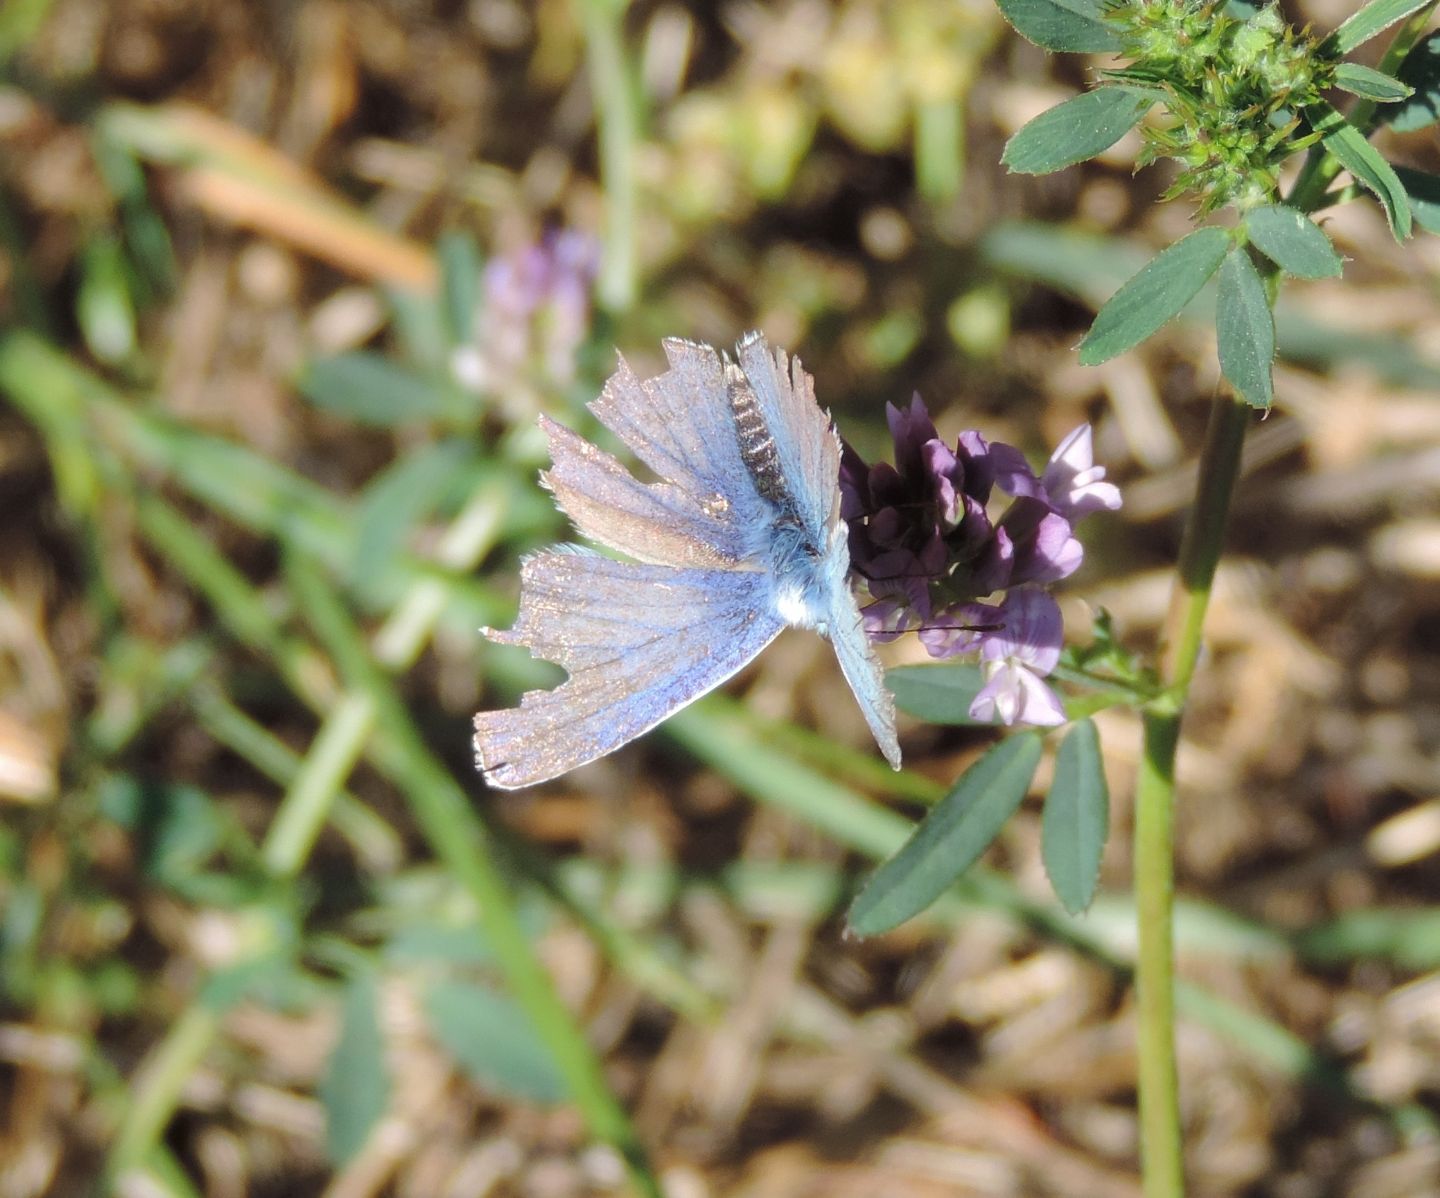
[(740, 537)]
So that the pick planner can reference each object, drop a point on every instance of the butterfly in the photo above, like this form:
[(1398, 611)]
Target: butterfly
[(740, 537)]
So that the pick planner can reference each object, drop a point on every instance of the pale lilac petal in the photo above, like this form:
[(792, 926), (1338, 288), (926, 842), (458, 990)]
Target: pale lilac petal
[(958, 628), (1074, 484), (1039, 704), (1013, 695), (1032, 631)]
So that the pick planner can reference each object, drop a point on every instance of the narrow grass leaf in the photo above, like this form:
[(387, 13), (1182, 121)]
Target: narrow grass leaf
[(936, 694), (355, 1089), (1163, 287), (401, 497), (1363, 161), (460, 268), (1245, 329), (421, 327), (1076, 130), (1424, 193), (1371, 84), (950, 838), (1375, 17), (492, 1039), (369, 389), (1293, 242), (104, 306), (1421, 73), (1408, 939), (1073, 26), (1077, 818)]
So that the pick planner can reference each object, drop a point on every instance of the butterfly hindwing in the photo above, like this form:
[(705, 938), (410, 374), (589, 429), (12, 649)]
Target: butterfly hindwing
[(639, 641)]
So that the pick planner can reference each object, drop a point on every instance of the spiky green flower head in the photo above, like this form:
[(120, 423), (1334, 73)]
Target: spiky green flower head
[(1233, 88)]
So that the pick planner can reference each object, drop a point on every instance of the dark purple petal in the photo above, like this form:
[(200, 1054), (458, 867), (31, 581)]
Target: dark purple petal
[(1012, 472), (888, 526), (887, 486), (854, 483), (1045, 546), (994, 566), (910, 429), (973, 453)]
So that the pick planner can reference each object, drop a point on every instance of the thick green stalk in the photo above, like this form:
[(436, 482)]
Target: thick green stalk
[(1160, 1140)]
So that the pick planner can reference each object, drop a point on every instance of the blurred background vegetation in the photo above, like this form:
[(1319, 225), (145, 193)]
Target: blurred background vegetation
[(283, 288)]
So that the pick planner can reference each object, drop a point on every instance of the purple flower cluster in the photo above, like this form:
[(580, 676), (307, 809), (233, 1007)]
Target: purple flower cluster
[(936, 558), (533, 316)]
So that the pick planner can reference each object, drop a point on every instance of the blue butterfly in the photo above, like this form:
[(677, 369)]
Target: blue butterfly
[(741, 537)]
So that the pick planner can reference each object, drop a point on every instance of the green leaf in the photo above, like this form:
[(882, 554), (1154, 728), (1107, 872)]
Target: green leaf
[(177, 828), (1073, 26), (1078, 129), (1424, 193), (1077, 818), (372, 390), (936, 694), (493, 1040), (1421, 73), (355, 1089), (1371, 84), (950, 838), (1375, 17), (1293, 242), (1363, 161), (1162, 288), (1245, 329)]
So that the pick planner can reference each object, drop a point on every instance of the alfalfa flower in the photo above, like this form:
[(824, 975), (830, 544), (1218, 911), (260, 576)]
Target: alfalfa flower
[(940, 556)]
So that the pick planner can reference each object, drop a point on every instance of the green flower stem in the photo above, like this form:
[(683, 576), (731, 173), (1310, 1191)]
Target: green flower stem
[(1321, 166), (1160, 1140), (619, 121)]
